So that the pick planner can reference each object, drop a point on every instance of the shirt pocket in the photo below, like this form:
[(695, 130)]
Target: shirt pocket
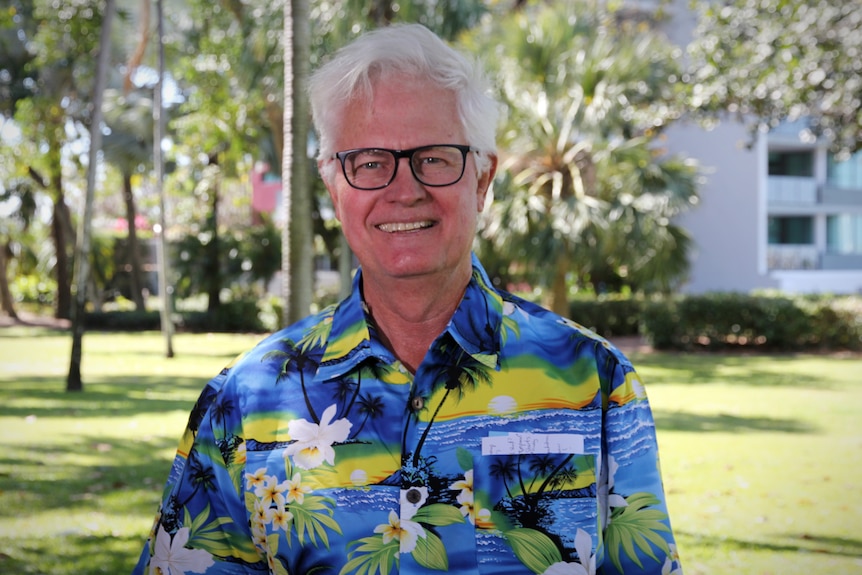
[(529, 508)]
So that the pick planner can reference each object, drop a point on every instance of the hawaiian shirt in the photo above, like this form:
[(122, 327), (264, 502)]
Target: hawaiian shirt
[(524, 443)]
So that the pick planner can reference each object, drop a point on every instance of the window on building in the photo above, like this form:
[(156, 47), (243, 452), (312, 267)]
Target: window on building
[(844, 234), (799, 164), (796, 230), (846, 174)]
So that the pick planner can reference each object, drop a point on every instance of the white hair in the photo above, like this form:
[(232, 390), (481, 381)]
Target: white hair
[(403, 50)]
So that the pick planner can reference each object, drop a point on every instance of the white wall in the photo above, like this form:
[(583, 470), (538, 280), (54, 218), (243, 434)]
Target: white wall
[(728, 225)]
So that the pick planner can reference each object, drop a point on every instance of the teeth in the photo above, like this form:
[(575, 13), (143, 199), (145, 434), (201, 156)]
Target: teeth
[(404, 226)]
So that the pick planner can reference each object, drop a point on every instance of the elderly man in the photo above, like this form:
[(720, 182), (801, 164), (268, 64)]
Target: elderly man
[(429, 422)]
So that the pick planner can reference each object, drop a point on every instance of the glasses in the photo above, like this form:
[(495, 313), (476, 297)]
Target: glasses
[(375, 168)]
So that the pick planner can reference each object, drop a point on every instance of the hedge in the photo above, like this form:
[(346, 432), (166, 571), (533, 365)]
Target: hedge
[(236, 316), (711, 322), (723, 321), (726, 321)]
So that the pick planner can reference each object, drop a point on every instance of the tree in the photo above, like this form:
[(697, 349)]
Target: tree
[(585, 193), (129, 146), (73, 381), (18, 205), (769, 61), (297, 253), (48, 83)]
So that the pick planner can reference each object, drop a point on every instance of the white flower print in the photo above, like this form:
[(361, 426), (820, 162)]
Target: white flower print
[(272, 491), (614, 500), (313, 443), (296, 490), (171, 557), (466, 501), (667, 568), (279, 517), (586, 564), (406, 532)]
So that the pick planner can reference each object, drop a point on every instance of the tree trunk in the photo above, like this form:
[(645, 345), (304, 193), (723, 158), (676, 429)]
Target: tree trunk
[(559, 286), (6, 301), (133, 257), (213, 257), (165, 287), (82, 260), (60, 216), (297, 239)]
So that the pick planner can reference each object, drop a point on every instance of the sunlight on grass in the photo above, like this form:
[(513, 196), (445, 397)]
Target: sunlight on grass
[(761, 455)]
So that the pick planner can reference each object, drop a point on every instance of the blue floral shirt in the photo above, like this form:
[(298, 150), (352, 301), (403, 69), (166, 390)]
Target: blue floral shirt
[(523, 444)]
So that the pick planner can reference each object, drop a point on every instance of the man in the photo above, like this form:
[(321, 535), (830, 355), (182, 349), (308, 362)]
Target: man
[(429, 422)]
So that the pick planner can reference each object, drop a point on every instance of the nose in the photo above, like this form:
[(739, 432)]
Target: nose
[(404, 187)]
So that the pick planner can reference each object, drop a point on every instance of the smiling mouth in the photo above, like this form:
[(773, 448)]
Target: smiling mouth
[(404, 226)]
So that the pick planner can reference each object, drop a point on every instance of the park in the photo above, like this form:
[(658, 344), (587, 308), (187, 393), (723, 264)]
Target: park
[(761, 453)]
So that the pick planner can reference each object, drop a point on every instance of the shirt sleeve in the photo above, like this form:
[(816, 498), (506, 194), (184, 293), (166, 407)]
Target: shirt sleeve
[(636, 537), (202, 525)]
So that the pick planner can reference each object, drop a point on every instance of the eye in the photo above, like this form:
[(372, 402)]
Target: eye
[(437, 158), (370, 160)]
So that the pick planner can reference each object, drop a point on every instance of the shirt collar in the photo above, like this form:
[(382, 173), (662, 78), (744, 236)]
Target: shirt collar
[(475, 326)]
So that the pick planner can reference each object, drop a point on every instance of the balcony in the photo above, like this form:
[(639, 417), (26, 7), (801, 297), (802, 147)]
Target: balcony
[(792, 257), (791, 190)]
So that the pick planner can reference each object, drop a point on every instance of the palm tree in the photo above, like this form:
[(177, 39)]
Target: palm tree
[(457, 376), (294, 357), (504, 468), (297, 253), (373, 369), (371, 406), (587, 95)]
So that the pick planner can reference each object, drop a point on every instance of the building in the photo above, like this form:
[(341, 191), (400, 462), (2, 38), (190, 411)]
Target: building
[(775, 213)]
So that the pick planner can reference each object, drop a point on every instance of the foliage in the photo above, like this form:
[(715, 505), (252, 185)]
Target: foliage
[(33, 289), (611, 315), (235, 316), (584, 184), (721, 321), (770, 61), (253, 255)]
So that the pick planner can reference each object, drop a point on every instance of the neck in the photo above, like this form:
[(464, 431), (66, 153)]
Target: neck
[(410, 321)]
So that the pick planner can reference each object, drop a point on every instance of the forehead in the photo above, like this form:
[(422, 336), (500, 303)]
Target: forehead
[(400, 112)]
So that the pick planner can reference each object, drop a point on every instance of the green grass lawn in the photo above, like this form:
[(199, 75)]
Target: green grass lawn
[(762, 455)]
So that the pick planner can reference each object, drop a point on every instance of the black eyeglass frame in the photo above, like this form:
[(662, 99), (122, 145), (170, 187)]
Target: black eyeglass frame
[(398, 154)]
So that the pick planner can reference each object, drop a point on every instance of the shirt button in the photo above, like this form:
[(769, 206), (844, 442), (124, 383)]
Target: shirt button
[(417, 403), (413, 496)]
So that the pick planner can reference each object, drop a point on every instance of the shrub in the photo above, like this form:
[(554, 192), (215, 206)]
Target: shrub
[(240, 315), (611, 315), (772, 322)]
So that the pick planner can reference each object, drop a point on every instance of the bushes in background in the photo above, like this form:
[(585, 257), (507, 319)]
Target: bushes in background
[(712, 322), (238, 316), (723, 321), (611, 315)]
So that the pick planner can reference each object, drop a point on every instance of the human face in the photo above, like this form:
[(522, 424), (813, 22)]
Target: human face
[(408, 230)]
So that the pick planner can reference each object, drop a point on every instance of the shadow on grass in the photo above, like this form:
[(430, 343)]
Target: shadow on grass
[(63, 483), (745, 370), (34, 332), (792, 543), (127, 478), (72, 555), (102, 397), (722, 422)]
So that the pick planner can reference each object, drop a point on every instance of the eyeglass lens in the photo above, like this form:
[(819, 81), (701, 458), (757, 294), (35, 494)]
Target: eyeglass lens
[(371, 168)]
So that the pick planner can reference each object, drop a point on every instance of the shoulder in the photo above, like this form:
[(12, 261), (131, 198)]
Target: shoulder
[(264, 361), (534, 322)]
